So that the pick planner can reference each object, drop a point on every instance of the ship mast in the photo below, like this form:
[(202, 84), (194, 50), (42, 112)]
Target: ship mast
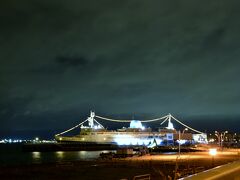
[(91, 119), (92, 122)]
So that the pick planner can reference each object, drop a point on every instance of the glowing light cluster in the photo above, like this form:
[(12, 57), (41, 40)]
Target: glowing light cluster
[(182, 141), (213, 152), (200, 138), (97, 127), (11, 141), (211, 140), (136, 124), (130, 140)]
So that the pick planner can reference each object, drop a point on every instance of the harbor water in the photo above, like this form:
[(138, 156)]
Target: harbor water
[(12, 154)]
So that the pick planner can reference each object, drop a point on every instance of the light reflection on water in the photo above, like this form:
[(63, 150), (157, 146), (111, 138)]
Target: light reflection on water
[(71, 155), (82, 153), (13, 155), (60, 154), (36, 155)]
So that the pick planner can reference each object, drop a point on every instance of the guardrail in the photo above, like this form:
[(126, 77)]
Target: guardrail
[(227, 171)]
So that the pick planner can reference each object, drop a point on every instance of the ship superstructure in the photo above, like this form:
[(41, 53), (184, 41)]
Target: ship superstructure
[(135, 135)]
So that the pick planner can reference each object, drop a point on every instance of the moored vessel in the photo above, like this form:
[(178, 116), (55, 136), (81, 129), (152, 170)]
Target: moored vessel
[(135, 135)]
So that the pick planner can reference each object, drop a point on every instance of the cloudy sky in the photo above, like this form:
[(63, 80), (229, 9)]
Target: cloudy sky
[(60, 59)]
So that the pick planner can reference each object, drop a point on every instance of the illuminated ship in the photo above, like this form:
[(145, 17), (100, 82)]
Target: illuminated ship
[(135, 135)]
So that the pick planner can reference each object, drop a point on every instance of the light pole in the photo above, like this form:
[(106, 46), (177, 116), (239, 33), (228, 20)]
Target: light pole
[(179, 151), (220, 136), (179, 140), (223, 136)]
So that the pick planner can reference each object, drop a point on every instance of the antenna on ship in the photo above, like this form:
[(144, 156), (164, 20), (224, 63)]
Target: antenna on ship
[(91, 119)]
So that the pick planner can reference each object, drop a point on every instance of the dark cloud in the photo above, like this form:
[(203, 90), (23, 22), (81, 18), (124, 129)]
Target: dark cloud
[(119, 58), (72, 61), (214, 38)]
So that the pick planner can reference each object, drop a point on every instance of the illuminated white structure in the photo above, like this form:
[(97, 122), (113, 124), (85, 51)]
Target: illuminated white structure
[(136, 124), (136, 134), (170, 124), (137, 139), (91, 119), (200, 138)]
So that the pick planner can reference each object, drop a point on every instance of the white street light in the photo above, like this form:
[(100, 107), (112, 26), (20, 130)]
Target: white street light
[(220, 136), (213, 152)]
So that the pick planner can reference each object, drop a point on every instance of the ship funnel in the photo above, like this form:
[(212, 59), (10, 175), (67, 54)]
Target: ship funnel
[(170, 124)]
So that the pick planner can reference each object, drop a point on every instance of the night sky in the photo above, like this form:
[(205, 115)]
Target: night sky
[(125, 59)]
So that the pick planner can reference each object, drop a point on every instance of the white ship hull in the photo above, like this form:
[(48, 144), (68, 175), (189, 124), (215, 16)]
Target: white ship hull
[(119, 138)]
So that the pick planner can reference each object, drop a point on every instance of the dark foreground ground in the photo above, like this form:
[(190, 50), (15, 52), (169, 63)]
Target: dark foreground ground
[(158, 166)]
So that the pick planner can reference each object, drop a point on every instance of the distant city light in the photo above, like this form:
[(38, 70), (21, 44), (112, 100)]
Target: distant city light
[(211, 140)]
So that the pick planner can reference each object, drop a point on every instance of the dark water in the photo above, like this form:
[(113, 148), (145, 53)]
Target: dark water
[(12, 154)]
